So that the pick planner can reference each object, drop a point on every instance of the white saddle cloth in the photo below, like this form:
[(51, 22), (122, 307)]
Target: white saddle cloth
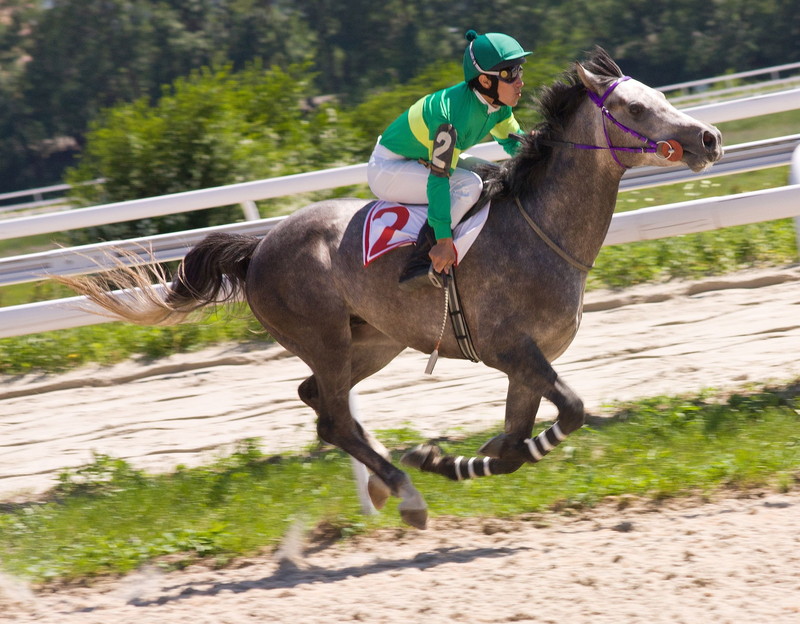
[(390, 225)]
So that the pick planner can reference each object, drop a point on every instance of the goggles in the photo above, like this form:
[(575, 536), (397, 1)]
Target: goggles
[(507, 74)]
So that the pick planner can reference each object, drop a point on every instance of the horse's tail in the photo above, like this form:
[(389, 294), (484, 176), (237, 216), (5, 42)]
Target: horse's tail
[(214, 271)]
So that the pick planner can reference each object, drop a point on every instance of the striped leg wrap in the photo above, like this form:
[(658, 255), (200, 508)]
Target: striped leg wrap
[(545, 442), (474, 467)]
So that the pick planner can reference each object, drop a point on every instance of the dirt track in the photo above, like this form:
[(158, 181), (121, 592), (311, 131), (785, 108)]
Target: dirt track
[(725, 561), (729, 562)]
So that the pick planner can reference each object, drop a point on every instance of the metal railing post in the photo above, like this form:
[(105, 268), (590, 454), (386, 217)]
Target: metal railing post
[(794, 178), (250, 210)]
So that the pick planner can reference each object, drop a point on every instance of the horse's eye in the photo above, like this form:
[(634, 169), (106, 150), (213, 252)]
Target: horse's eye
[(635, 109)]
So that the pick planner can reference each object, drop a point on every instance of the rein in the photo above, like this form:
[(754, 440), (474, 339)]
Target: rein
[(670, 150), (551, 243)]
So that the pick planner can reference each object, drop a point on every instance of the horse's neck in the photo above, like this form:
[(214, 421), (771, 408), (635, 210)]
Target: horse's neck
[(575, 201)]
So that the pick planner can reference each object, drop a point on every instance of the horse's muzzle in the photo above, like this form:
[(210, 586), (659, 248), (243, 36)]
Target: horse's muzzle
[(712, 141), (703, 149)]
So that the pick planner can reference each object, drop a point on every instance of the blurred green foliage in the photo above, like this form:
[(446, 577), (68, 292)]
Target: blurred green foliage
[(63, 62), (212, 128)]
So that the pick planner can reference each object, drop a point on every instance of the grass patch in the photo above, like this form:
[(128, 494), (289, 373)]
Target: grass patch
[(760, 128), (31, 244), (698, 189), (108, 343), (108, 518)]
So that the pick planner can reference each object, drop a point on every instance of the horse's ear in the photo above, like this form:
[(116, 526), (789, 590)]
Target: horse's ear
[(590, 81)]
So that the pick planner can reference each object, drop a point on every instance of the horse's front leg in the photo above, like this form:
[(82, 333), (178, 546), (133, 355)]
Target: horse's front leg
[(515, 444), (506, 452)]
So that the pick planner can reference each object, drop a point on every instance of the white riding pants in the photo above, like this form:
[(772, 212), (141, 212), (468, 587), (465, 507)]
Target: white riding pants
[(395, 178)]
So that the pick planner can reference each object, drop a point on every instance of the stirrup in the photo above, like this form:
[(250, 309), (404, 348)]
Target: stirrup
[(436, 279), (420, 279), (415, 278)]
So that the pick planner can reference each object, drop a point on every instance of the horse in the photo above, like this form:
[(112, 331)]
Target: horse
[(521, 284)]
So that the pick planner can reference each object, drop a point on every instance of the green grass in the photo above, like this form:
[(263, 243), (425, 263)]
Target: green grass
[(108, 518), (105, 344), (700, 188), (760, 128), (44, 290), (30, 244)]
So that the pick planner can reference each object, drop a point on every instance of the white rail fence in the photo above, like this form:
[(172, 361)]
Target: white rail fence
[(794, 179), (651, 223), (737, 83), (36, 197), (645, 224), (167, 247)]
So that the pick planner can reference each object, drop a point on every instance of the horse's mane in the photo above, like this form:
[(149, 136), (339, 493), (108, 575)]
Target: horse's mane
[(557, 104)]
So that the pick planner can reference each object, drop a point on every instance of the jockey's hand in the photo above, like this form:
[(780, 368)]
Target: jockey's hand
[(443, 255)]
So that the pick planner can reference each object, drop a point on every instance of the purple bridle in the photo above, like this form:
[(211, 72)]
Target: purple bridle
[(670, 150)]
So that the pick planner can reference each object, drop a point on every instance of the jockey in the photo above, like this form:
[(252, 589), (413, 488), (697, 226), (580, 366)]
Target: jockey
[(416, 159)]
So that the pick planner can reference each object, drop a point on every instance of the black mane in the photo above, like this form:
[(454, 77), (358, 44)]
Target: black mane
[(556, 104)]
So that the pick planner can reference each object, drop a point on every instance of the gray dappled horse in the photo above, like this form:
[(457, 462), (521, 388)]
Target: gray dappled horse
[(521, 287)]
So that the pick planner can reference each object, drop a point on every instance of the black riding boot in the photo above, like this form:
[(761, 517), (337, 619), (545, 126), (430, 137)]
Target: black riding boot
[(415, 273)]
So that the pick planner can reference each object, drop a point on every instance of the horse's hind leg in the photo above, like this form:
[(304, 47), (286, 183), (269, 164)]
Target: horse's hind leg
[(370, 351), (309, 394), (336, 426), (327, 392)]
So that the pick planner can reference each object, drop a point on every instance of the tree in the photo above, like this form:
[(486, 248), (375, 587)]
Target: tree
[(362, 45), (23, 155), (63, 61), (84, 56), (213, 128)]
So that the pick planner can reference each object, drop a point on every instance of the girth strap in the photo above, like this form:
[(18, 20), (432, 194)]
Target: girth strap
[(457, 319)]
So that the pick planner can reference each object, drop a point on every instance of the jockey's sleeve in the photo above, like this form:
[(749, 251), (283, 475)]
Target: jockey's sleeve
[(501, 133), (439, 206)]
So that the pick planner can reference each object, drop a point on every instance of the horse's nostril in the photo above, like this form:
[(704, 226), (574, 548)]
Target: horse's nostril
[(709, 141)]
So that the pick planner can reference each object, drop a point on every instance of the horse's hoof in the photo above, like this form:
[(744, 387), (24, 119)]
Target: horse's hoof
[(378, 491), (420, 456), (412, 508), (494, 447), (417, 518)]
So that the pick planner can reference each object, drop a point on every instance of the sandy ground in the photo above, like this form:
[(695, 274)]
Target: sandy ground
[(730, 560)]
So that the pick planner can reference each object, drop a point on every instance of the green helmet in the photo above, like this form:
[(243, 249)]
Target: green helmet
[(490, 53)]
